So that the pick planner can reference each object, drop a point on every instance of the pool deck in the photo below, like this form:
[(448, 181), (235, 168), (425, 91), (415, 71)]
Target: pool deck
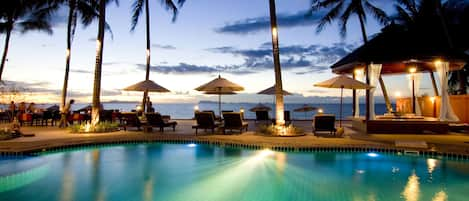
[(47, 138)]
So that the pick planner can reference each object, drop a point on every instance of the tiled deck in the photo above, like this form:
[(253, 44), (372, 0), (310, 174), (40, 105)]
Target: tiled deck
[(51, 137)]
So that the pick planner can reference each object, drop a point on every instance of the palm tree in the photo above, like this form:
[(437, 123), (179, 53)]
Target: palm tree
[(76, 9), (279, 104), (137, 8), (341, 10), (23, 15), (452, 16), (96, 103)]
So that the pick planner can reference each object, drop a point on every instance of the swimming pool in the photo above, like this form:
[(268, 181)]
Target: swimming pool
[(190, 172)]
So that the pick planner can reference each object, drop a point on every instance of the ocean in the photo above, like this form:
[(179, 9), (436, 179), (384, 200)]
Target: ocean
[(186, 110)]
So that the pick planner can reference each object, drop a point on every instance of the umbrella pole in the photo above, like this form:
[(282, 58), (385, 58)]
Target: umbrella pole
[(340, 113), (219, 105)]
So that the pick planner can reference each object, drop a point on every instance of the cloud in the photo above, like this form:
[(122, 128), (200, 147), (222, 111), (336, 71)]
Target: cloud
[(184, 68), (82, 71), (312, 58), (166, 47), (251, 25), (300, 59)]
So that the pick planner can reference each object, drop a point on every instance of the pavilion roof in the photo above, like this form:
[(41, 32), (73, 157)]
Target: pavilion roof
[(397, 48)]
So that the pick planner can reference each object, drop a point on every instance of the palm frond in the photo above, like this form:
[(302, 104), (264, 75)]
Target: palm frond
[(73, 23), (87, 12), (344, 19), (378, 14), (3, 27), (137, 9), (107, 27), (36, 25), (329, 17), (169, 5)]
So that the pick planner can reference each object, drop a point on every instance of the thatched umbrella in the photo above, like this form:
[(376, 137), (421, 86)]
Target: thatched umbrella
[(305, 108), (271, 91), (342, 81), (260, 107), (220, 86), (146, 86)]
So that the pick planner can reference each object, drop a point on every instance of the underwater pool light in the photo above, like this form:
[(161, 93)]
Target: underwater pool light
[(192, 145), (372, 154)]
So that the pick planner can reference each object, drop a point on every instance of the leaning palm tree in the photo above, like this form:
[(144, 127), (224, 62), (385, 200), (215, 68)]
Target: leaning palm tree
[(279, 104), (341, 10), (23, 15), (431, 15), (76, 9), (96, 103), (137, 8)]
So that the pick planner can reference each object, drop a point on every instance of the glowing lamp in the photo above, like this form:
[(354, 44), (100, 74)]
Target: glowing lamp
[(196, 108), (320, 111), (412, 69), (274, 32), (139, 108), (432, 99), (358, 71)]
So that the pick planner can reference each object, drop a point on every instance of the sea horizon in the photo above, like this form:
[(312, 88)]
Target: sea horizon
[(186, 110)]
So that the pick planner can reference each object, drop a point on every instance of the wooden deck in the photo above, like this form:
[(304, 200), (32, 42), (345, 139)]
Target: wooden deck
[(401, 126)]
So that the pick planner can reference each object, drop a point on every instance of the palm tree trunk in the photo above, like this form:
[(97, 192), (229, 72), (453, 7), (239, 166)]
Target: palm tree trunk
[(147, 75), (367, 75), (279, 106), (95, 108), (5, 51), (68, 53), (381, 82)]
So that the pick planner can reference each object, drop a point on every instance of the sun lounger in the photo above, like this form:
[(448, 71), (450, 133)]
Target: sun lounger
[(205, 120), (131, 120), (156, 120), (234, 121), (262, 116), (324, 122), (217, 118)]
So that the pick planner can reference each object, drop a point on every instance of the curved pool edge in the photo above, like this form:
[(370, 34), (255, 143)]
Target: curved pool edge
[(60, 145)]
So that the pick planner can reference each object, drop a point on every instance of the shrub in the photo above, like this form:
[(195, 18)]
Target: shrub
[(101, 127), (272, 130)]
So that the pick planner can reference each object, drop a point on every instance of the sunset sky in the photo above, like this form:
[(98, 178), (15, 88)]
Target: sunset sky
[(230, 38)]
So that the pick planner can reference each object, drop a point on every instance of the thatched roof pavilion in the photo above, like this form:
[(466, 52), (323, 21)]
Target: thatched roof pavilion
[(396, 48)]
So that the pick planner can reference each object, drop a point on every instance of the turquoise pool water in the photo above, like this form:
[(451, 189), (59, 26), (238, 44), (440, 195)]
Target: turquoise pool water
[(181, 172)]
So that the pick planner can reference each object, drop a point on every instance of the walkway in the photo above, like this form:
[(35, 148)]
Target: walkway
[(50, 137)]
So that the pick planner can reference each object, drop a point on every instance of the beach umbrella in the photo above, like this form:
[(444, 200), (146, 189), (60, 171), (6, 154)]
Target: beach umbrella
[(342, 82), (305, 108), (220, 86), (260, 107), (85, 109), (146, 86), (53, 108), (271, 91)]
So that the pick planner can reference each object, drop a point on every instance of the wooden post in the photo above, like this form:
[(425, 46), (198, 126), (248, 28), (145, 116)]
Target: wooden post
[(367, 95), (354, 95), (385, 95)]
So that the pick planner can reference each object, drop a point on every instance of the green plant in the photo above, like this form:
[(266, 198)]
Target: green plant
[(5, 133), (101, 127)]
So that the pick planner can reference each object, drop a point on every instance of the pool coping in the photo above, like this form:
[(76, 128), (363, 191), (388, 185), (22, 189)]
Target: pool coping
[(178, 139)]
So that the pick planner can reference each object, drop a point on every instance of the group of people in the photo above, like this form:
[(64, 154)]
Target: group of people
[(21, 108)]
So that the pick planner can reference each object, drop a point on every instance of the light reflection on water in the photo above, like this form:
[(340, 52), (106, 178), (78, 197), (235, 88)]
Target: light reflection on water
[(179, 172)]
